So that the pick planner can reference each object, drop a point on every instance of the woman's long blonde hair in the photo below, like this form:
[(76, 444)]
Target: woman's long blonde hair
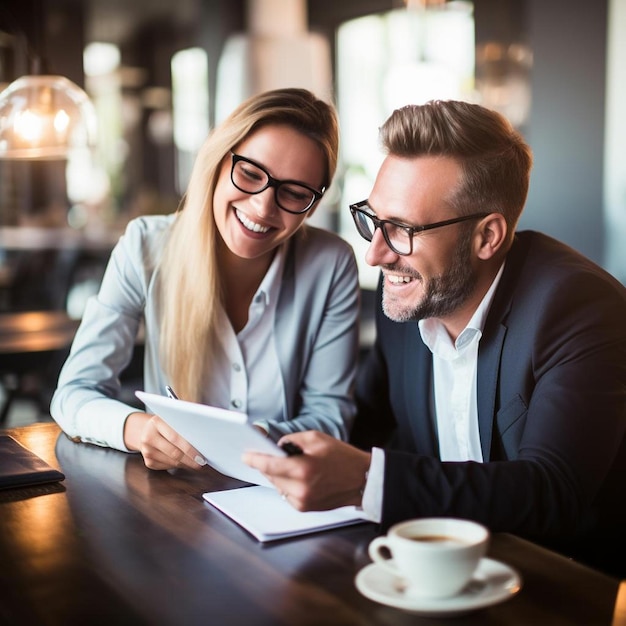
[(189, 277)]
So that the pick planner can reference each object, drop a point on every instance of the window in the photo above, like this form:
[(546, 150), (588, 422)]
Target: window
[(385, 61), (190, 91)]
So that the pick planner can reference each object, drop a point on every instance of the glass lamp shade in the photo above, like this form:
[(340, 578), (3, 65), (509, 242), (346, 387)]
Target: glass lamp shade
[(45, 117)]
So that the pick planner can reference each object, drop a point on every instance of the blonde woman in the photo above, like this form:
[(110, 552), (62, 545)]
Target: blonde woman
[(245, 306)]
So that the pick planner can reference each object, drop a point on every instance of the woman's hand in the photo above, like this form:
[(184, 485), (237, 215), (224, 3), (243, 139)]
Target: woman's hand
[(160, 445)]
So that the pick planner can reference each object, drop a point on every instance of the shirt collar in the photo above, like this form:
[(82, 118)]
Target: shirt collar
[(270, 285), (480, 314), (435, 336)]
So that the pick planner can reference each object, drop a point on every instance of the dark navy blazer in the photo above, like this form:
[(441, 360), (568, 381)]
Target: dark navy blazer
[(551, 390)]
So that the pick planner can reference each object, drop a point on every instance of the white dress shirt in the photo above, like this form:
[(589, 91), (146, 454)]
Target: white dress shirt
[(246, 374), (454, 379)]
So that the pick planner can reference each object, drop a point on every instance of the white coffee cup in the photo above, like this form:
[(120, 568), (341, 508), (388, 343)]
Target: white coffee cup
[(435, 556)]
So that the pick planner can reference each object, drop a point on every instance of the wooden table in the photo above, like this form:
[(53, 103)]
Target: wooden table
[(116, 543), (36, 332), (32, 344)]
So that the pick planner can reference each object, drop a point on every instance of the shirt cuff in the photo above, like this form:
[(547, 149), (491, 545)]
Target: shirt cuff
[(372, 502), (101, 422)]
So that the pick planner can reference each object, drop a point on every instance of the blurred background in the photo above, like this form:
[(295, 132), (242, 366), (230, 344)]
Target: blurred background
[(162, 73)]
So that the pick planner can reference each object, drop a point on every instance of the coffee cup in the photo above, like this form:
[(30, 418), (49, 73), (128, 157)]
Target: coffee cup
[(434, 556)]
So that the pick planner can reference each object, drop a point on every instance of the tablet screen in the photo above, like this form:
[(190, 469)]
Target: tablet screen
[(220, 435)]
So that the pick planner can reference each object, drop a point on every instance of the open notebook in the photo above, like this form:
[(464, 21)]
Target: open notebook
[(19, 467), (267, 517)]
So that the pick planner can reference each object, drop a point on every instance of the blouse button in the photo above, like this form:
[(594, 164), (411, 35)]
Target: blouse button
[(236, 403)]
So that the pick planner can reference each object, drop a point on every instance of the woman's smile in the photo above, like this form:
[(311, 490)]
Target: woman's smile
[(249, 225)]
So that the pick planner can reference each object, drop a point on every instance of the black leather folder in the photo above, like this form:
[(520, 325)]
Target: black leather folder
[(19, 467)]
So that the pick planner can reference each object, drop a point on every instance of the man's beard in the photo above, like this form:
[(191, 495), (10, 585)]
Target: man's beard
[(443, 294)]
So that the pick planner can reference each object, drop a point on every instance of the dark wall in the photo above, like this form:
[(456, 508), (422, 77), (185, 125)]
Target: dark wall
[(566, 127), (54, 37)]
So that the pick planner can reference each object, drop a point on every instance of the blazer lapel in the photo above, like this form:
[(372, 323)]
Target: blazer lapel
[(489, 354), (418, 397), (288, 323), (491, 344)]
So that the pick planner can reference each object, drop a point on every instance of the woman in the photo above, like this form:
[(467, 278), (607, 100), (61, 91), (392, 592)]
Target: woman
[(244, 306)]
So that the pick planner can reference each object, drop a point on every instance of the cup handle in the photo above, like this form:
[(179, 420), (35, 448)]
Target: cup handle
[(374, 550)]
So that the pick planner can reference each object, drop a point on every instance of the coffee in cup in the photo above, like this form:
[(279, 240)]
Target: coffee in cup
[(435, 556)]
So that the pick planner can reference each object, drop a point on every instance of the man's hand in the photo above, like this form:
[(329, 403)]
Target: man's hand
[(329, 473), (160, 445)]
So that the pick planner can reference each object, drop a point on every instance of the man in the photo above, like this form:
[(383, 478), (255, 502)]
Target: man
[(499, 367)]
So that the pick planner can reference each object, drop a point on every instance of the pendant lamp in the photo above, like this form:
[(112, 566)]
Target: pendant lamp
[(45, 117)]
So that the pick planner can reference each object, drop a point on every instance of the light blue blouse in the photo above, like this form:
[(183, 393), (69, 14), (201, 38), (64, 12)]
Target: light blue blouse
[(315, 334)]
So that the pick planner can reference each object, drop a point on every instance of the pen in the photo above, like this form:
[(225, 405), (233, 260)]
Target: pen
[(170, 393), (291, 448)]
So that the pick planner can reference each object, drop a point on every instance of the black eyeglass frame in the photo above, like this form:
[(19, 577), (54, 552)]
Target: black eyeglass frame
[(274, 183), (410, 230)]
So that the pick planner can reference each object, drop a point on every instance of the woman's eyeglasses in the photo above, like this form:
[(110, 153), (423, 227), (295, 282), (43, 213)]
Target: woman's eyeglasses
[(290, 195)]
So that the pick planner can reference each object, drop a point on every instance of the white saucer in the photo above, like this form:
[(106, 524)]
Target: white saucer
[(491, 583)]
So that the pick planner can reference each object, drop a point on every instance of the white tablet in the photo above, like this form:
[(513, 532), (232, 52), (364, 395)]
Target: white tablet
[(221, 436)]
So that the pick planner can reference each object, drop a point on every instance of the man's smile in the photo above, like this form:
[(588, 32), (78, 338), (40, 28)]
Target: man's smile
[(394, 279)]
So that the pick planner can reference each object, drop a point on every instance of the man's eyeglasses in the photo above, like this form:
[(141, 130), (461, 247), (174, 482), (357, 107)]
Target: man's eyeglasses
[(290, 195), (399, 237)]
